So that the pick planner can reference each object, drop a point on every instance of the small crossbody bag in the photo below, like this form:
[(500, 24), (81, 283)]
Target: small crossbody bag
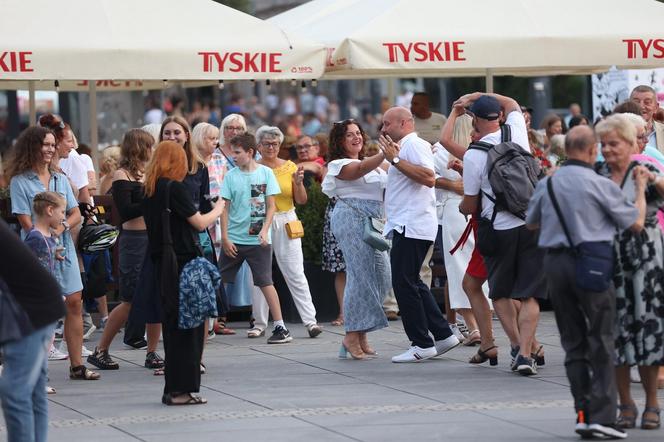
[(594, 259), (373, 229)]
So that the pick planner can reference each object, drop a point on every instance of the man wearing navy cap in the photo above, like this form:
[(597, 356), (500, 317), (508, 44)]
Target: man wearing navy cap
[(515, 269)]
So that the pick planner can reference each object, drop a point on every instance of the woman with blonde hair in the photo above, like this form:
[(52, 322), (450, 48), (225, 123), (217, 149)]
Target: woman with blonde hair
[(639, 277), (467, 294), (205, 138), (108, 164), (164, 188)]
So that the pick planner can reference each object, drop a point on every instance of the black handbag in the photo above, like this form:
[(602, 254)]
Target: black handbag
[(14, 322), (594, 259)]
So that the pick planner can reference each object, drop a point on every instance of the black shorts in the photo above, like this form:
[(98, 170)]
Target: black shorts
[(133, 245), (517, 272)]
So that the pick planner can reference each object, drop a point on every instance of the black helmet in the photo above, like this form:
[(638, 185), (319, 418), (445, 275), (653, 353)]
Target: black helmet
[(97, 237)]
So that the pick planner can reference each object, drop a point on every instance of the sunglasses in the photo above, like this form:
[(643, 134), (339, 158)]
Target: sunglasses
[(346, 121)]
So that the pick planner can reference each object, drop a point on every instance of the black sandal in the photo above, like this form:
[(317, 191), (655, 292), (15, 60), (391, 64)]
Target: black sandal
[(153, 360), (650, 424), (81, 373), (167, 399), (627, 421), (538, 356), (481, 357)]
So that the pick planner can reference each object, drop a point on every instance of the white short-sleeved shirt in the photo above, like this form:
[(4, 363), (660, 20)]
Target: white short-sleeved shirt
[(476, 180), (75, 168), (411, 207), (368, 187), (430, 128)]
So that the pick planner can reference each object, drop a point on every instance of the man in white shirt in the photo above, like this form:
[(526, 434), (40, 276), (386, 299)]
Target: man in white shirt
[(427, 124), (76, 170), (515, 269), (412, 223)]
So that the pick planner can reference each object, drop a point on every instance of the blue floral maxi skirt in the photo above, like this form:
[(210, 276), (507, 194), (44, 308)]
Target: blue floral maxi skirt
[(368, 276)]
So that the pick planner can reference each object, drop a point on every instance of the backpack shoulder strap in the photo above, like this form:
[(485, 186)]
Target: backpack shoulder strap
[(480, 145), (505, 133)]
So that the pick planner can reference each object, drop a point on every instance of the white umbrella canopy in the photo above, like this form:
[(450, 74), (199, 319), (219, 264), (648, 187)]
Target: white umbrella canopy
[(146, 40), (388, 38)]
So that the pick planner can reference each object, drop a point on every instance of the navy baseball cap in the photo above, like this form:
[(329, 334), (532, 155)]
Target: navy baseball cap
[(486, 107)]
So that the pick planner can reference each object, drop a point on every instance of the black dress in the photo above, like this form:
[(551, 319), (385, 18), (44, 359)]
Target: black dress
[(183, 348)]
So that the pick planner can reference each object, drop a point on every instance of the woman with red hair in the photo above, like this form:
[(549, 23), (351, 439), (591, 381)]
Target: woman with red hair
[(165, 193)]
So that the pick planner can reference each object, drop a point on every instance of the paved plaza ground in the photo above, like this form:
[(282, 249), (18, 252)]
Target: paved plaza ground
[(302, 391)]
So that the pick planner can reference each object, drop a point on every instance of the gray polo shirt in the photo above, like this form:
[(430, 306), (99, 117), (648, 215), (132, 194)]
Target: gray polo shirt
[(593, 207)]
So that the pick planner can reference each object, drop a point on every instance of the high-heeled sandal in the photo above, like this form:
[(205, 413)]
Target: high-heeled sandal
[(627, 421), (483, 355), (538, 356), (344, 352), (472, 339), (366, 348), (650, 424)]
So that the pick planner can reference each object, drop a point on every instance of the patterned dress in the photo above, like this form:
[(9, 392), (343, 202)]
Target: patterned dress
[(639, 282), (333, 258)]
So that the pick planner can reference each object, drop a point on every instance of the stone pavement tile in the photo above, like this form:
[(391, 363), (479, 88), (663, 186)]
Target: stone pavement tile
[(296, 396), (256, 429), (478, 431), (93, 433), (392, 418)]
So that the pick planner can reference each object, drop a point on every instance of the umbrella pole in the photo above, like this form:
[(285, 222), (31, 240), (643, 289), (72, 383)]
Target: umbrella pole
[(392, 90), (32, 103), (489, 80), (92, 95)]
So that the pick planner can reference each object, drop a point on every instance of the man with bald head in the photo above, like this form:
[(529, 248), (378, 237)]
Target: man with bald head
[(412, 223), (592, 207)]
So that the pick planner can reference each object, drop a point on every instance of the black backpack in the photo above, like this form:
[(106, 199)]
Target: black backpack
[(513, 174)]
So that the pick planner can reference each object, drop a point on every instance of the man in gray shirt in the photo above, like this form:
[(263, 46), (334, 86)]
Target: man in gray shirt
[(593, 207)]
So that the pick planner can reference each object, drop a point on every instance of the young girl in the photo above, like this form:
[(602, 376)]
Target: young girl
[(49, 211)]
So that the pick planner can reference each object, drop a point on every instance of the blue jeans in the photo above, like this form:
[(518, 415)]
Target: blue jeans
[(23, 386)]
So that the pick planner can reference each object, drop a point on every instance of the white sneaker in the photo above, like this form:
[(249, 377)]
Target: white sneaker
[(56, 355), (447, 344), (607, 431), (87, 333), (457, 332), (415, 354), (84, 351)]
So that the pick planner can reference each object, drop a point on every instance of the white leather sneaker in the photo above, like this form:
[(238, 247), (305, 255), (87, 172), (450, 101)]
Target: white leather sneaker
[(415, 354), (447, 344)]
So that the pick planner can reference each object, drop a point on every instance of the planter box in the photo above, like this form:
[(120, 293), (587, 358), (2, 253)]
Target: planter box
[(321, 285)]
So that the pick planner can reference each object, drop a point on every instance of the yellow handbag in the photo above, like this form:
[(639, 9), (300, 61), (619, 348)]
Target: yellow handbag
[(295, 229)]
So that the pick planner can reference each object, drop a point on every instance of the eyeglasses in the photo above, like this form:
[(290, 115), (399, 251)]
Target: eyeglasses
[(274, 145), (304, 146), (234, 128)]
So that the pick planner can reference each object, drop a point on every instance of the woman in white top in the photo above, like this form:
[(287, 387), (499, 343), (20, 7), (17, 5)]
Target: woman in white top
[(358, 183), (449, 189)]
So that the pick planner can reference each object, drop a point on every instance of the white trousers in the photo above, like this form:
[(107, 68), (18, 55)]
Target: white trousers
[(288, 253)]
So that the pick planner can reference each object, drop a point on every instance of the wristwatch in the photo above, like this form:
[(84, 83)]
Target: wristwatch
[(395, 161), (65, 224)]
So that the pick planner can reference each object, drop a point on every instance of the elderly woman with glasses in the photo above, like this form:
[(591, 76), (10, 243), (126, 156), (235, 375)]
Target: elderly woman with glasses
[(639, 277), (287, 250), (221, 161)]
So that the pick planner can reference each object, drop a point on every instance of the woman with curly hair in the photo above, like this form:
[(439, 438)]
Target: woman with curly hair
[(358, 183), (32, 170)]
